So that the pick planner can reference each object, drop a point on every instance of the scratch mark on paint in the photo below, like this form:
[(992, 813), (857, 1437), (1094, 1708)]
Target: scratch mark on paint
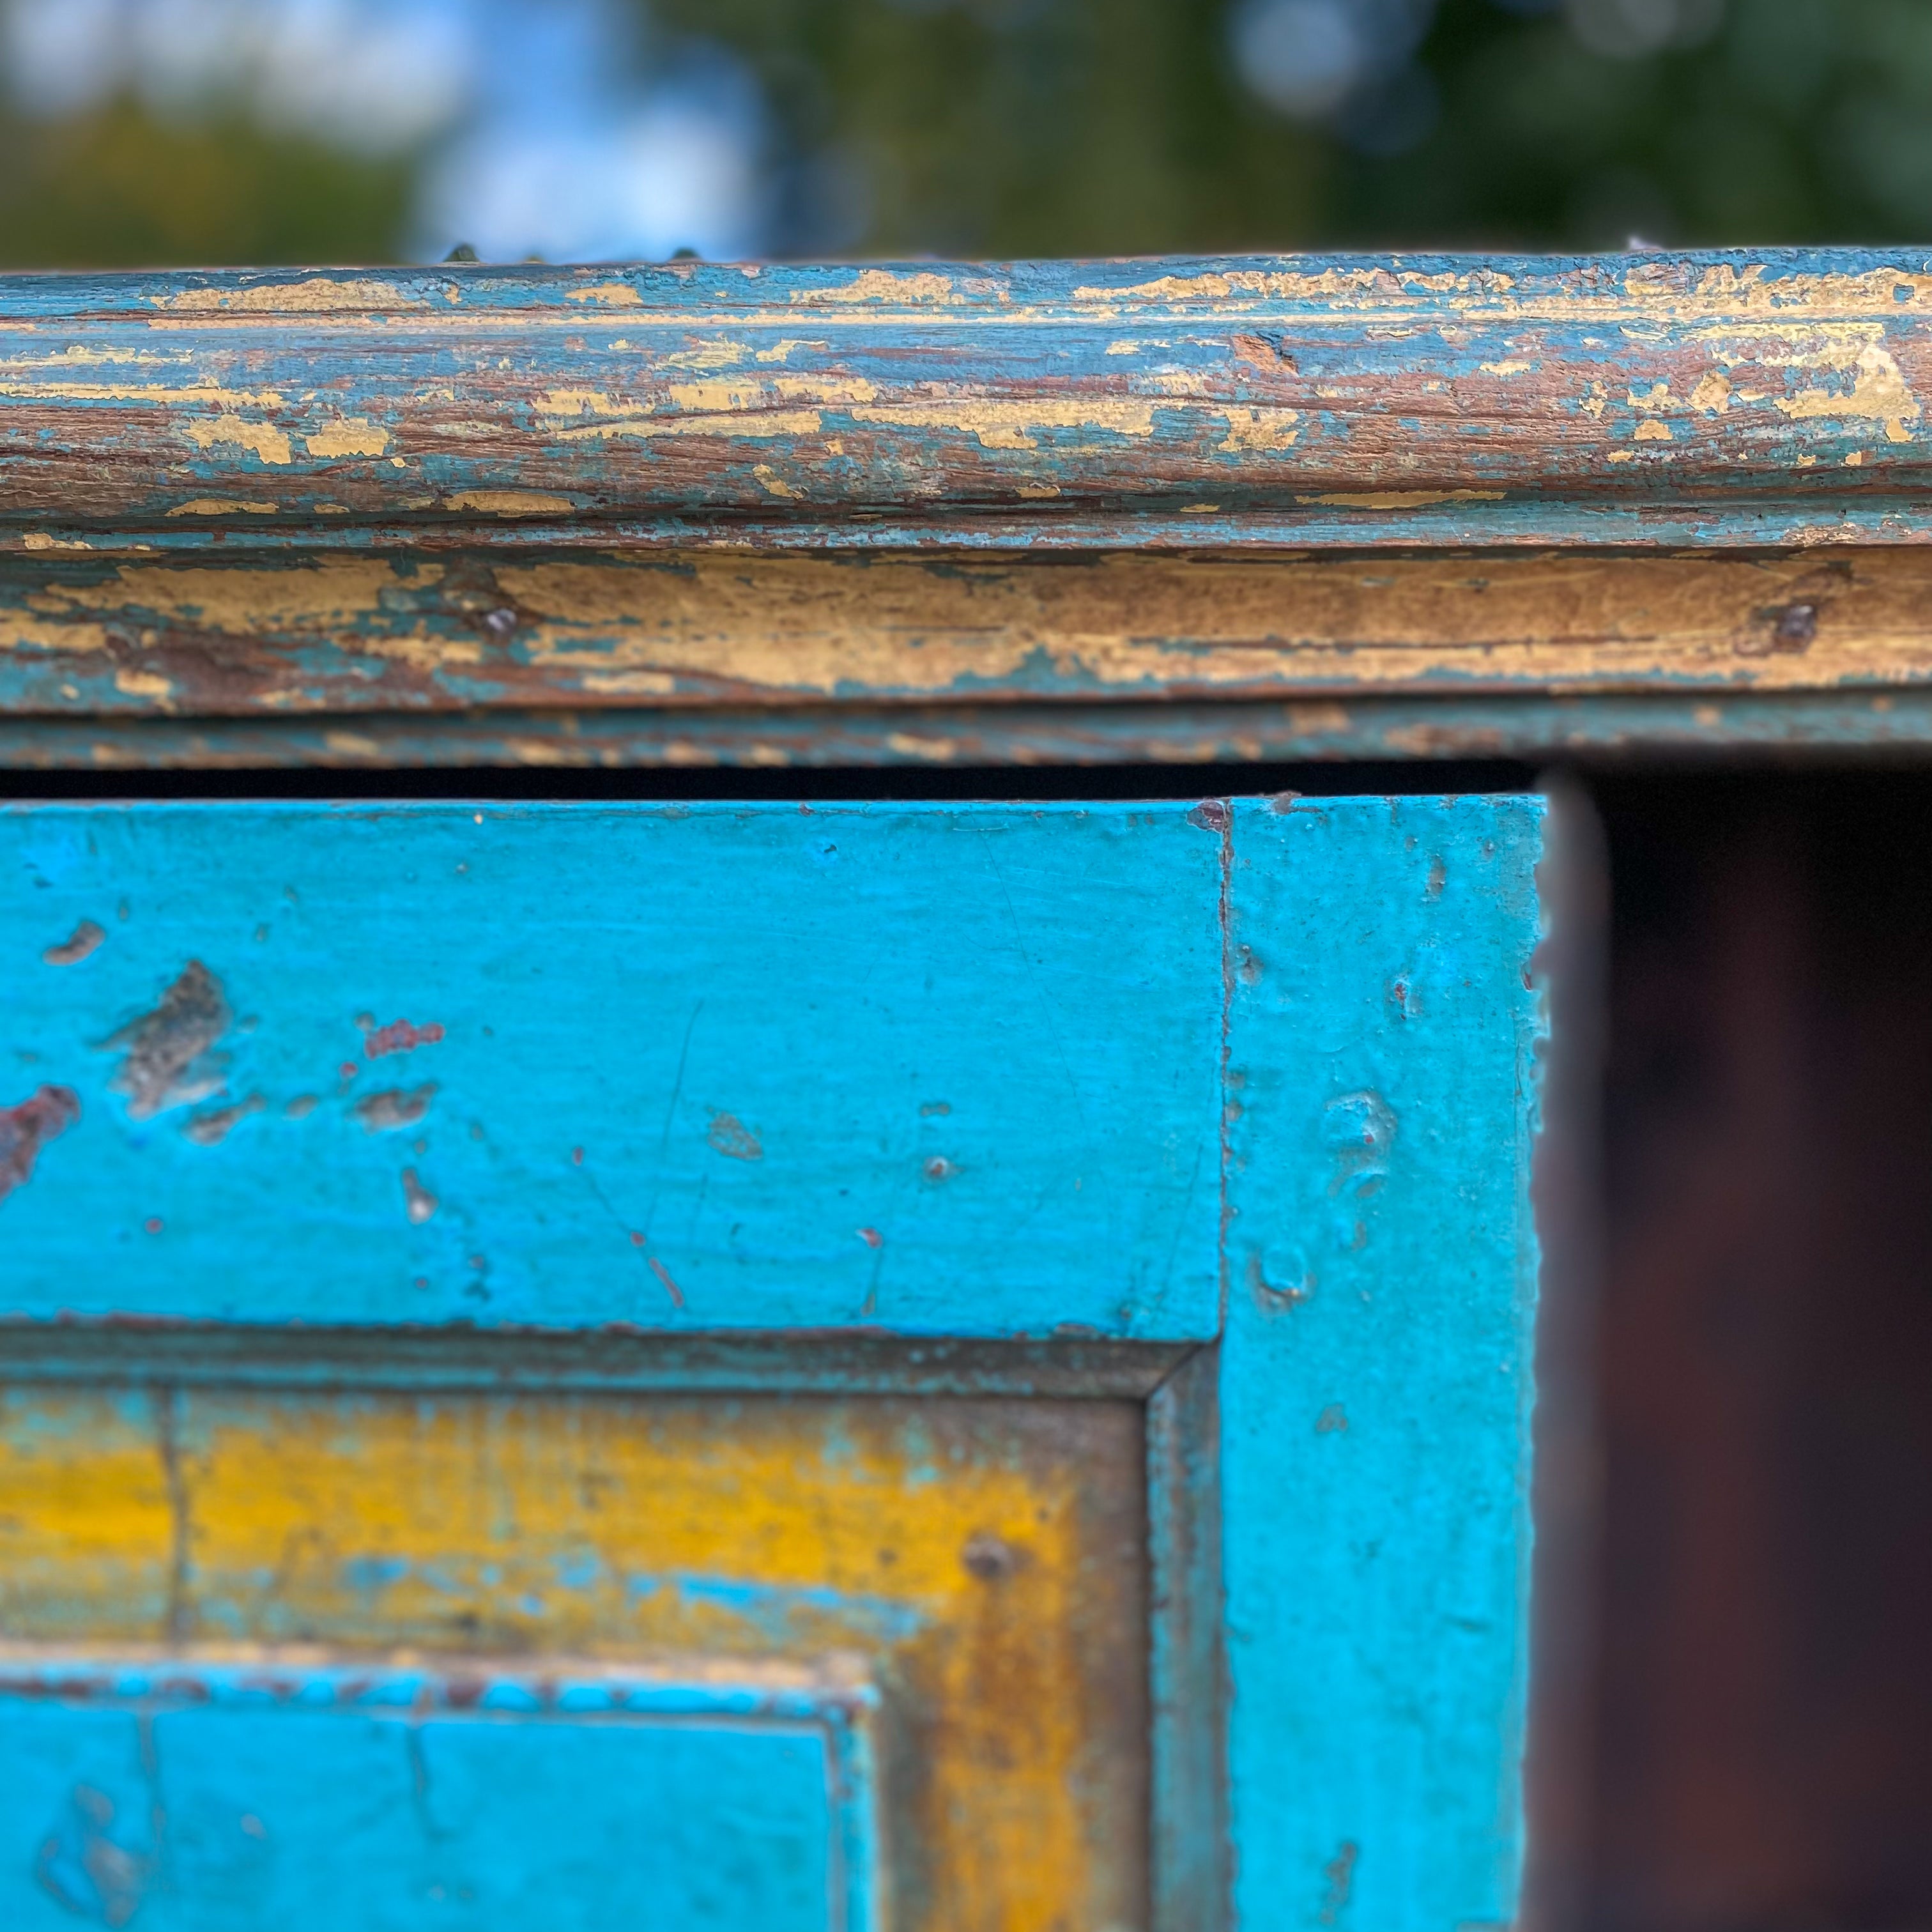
[(663, 1273), (170, 1060), (44, 1115), (1340, 1873), (86, 939)]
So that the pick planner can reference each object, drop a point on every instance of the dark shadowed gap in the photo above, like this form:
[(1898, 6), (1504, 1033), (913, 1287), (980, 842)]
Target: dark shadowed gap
[(1331, 779), (1763, 1728)]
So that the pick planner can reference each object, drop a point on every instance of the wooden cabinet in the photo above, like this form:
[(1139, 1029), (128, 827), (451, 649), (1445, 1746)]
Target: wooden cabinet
[(580, 1349), (907, 1365)]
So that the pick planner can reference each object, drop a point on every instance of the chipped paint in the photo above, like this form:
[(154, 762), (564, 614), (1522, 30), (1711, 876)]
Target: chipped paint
[(917, 286), (26, 1128), (348, 435), (229, 431), (509, 503), (169, 1055), (313, 294), (85, 941)]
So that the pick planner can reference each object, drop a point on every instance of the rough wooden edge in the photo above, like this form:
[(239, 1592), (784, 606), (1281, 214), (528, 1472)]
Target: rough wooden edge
[(196, 1355), (1571, 969), (1189, 1839)]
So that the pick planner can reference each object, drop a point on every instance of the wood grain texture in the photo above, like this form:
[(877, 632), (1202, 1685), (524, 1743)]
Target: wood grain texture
[(1754, 398), (981, 1564), (945, 1072), (694, 659), (1376, 1368), (471, 633)]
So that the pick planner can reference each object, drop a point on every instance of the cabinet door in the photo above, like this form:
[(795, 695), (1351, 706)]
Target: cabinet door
[(954, 1368)]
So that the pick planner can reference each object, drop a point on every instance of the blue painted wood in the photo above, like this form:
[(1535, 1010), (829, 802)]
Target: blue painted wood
[(924, 1070), (1375, 1370), (192, 1798), (1742, 397)]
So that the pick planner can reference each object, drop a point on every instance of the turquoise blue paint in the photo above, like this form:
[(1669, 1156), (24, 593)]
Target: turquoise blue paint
[(1342, 1198), (707, 1068), (1376, 1372), (190, 1799)]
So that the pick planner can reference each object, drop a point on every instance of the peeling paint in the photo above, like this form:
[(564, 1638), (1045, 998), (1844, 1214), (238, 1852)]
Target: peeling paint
[(262, 439), (28, 1126), (169, 1056), (348, 436), (87, 939)]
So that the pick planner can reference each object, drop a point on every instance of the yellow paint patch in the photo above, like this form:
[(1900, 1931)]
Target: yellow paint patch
[(314, 295), (606, 295), (1514, 367), (349, 436), (1401, 499), (1002, 424), (1269, 428), (221, 506), (773, 483), (932, 751), (143, 684), (882, 285), (228, 431), (509, 503), (1879, 392), (1038, 490), (1651, 431), (1712, 394), (982, 1556), (45, 540)]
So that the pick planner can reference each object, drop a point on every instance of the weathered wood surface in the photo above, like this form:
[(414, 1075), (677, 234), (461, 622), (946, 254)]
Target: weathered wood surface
[(187, 1797), (555, 657), (1749, 398), (966, 1579), (949, 1071), (474, 632), (1376, 1370)]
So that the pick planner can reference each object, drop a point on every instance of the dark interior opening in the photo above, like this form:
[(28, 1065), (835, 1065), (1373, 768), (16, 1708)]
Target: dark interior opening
[(1762, 1746)]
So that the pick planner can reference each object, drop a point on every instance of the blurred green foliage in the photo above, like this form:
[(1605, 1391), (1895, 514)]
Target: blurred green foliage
[(117, 187), (1006, 128)]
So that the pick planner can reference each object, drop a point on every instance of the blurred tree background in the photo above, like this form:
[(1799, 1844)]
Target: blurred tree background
[(178, 132)]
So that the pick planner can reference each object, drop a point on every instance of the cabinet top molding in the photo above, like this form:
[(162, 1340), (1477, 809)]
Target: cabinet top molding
[(1731, 399)]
